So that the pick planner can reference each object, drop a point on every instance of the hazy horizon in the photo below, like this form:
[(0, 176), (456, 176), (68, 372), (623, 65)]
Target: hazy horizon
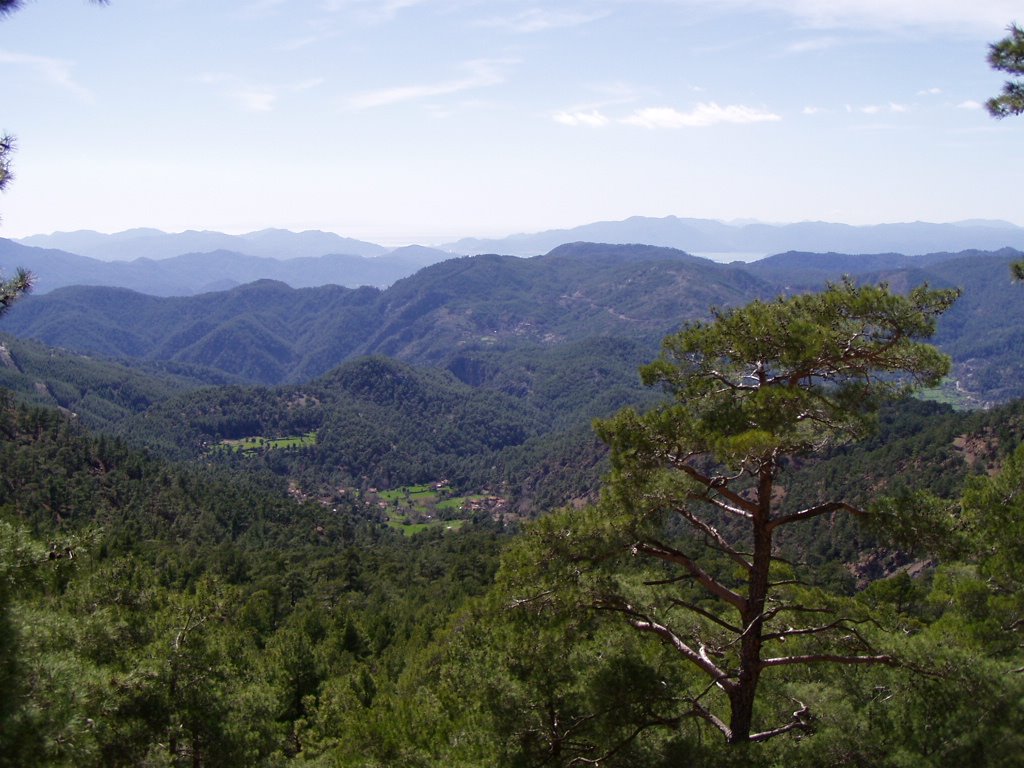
[(427, 120)]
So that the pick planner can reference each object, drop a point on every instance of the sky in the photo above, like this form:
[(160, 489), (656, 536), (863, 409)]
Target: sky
[(423, 121)]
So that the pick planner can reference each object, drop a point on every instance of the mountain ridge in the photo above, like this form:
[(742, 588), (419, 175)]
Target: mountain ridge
[(712, 236), (460, 313), (193, 273), (155, 244)]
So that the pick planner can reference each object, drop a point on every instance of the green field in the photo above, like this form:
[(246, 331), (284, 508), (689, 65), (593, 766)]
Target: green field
[(415, 508), (948, 394), (257, 443), (411, 529)]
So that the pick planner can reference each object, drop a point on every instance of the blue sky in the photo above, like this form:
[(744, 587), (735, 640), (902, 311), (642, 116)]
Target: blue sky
[(403, 121)]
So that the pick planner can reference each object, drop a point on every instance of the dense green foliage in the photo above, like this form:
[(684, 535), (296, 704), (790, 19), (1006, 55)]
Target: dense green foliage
[(1007, 55), (103, 393), (269, 333), (491, 319), (192, 604), (17, 286), (381, 423), (192, 614), (188, 613), (694, 487)]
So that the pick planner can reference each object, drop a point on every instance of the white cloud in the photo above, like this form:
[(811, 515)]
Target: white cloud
[(815, 44), (930, 92), (256, 97), (812, 110), (55, 71), (298, 43), (877, 109), (610, 95), (969, 104), (260, 8), (482, 73), (593, 118), (700, 116), (213, 78), (541, 20), (977, 15), (371, 11)]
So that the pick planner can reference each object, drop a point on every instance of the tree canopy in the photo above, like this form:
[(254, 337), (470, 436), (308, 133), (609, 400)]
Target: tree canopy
[(14, 287), (1007, 55), (694, 495)]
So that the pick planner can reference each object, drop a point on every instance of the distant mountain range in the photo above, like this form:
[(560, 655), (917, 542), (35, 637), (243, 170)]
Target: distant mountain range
[(153, 244), (746, 241), (187, 263), (487, 318), (199, 272)]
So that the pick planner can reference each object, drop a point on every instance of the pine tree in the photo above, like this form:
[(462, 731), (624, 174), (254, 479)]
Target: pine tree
[(1007, 55), (691, 510)]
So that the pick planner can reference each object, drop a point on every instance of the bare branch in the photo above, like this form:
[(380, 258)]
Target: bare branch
[(801, 721), (843, 623), (729, 383), (705, 714), (706, 614), (772, 613), (834, 658), (722, 505), (645, 624), (709, 582), (580, 760), (712, 532), (518, 602), (817, 511), (718, 485), (665, 582)]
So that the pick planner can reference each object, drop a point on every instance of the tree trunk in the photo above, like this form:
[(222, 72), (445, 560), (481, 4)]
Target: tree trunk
[(741, 699)]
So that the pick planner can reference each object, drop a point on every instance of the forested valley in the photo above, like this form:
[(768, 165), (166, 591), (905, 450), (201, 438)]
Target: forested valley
[(450, 523)]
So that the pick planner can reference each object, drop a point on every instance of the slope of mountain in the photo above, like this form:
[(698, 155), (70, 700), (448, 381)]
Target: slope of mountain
[(488, 318), (98, 391), (270, 333), (575, 291), (381, 423), (264, 332)]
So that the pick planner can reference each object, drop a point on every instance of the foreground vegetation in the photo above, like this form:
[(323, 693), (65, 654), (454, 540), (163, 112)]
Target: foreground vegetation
[(172, 615), (158, 612)]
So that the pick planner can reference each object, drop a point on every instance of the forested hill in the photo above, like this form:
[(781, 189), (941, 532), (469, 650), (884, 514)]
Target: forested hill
[(330, 572), (462, 312), (270, 333), (153, 613)]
